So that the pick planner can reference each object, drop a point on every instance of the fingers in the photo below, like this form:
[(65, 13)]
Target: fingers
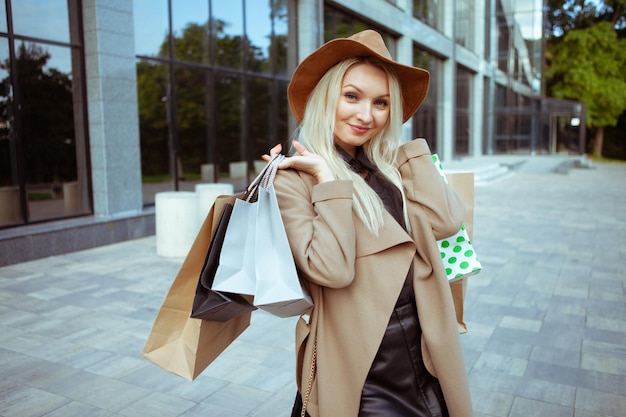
[(273, 152), (300, 148)]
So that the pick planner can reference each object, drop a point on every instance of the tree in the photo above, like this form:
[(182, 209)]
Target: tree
[(586, 61), (588, 66)]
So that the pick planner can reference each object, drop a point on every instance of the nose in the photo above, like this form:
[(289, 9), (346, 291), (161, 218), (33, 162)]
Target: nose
[(365, 112)]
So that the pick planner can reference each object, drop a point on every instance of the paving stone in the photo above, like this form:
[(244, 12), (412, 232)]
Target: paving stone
[(546, 319)]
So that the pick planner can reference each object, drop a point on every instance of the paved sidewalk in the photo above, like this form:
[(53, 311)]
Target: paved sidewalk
[(546, 318)]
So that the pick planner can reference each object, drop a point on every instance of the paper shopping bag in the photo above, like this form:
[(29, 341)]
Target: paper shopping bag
[(209, 304), (457, 252), (180, 344), (278, 289), (236, 270), (463, 184)]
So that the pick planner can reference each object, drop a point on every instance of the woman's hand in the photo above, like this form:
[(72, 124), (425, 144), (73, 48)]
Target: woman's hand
[(304, 161)]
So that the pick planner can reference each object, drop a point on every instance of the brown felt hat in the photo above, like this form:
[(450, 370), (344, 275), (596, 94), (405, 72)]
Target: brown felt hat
[(413, 80)]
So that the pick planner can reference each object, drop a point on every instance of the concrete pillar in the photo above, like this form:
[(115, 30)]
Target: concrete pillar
[(112, 103)]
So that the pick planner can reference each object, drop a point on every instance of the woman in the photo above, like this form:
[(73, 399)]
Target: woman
[(362, 214)]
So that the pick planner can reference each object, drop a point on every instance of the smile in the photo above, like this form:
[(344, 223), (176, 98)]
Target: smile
[(359, 129)]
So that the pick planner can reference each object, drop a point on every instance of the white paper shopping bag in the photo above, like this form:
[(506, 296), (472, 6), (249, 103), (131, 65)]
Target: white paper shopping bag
[(236, 270), (278, 288)]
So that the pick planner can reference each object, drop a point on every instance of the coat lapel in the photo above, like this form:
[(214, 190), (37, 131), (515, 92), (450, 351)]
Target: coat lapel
[(390, 235)]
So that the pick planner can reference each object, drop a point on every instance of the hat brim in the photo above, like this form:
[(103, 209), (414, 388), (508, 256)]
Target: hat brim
[(413, 81)]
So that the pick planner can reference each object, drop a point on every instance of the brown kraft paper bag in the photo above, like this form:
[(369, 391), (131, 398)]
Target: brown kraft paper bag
[(178, 343), (463, 184)]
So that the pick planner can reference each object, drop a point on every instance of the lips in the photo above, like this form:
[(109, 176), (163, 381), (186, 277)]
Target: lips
[(359, 129)]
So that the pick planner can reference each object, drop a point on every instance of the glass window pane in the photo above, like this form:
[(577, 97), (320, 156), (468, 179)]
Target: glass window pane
[(47, 132), (191, 122), (152, 86), (260, 113), (10, 206), (229, 123), (463, 112), (3, 17), (190, 29), (426, 11), (151, 27), (46, 19), (259, 33), (228, 20), (425, 119), (280, 36)]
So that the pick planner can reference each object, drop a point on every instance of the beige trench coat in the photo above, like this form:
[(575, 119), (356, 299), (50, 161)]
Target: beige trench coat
[(355, 278)]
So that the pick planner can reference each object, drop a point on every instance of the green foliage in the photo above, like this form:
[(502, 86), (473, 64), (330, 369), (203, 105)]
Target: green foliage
[(46, 116), (588, 65), (209, 99)]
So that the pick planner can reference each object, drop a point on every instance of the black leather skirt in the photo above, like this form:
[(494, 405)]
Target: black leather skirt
[(398, 384)]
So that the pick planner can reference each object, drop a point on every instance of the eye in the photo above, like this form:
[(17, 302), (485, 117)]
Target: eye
[(381, 103), (350, 96)]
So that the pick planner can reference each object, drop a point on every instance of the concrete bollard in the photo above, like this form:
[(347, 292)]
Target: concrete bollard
[(207, 172), (9, 205), (71, 197), (176, 222), (207, 193)]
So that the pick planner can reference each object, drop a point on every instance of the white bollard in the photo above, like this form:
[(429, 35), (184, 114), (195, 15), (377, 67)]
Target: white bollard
[(9, 205), (176, 222), (207, 193), (207, 172), (71, 197)]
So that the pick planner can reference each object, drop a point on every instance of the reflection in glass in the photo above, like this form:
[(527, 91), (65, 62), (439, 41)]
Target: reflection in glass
[(46, 19), (228, 28), (190, 20), (259, 95), (228, 120), (10, 211), (191, 119), (151, 26), (427, 11), (520, 41), (464, 23), (280, 32), (425, 119), (259, 33), (218, 106), (46, 130), (463, 112), (338, 24), (152, 95), (3, 17)]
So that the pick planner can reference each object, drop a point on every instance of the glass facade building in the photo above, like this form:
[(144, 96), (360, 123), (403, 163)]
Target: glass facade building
[(105, 103)]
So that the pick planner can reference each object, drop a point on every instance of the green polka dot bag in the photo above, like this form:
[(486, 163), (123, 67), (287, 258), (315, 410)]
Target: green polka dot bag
[(457, 252)]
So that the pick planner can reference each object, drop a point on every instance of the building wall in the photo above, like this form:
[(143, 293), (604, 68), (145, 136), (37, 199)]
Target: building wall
[(465, 39)]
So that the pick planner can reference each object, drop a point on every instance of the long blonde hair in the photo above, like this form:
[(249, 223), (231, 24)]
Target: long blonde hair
[(317, 133)]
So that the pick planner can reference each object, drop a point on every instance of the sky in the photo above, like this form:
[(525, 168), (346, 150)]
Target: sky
[(152, 14)]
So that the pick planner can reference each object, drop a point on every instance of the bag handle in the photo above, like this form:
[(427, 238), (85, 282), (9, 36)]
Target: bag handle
[(270, 174), (264, 178)]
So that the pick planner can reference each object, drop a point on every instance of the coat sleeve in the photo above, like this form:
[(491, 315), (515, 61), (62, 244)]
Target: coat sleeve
[(435, 212), (319, 225), (424, 186)]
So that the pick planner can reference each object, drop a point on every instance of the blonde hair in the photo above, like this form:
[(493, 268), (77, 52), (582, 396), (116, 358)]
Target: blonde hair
[(317, 133)]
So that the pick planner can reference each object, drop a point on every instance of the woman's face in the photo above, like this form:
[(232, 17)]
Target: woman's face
[(363, 107)]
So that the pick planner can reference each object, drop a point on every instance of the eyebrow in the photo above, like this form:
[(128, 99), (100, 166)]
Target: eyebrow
[(361, 91)]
